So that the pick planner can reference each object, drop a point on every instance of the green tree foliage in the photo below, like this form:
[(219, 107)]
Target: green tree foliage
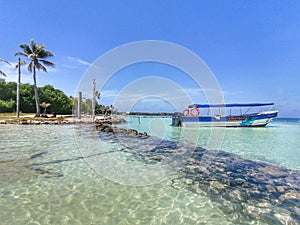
[(102, 109), (7, 90), (7, 96), (7, 106), (27, 103), (60, 103)]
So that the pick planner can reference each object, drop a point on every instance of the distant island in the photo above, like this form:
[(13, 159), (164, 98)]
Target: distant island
[(149, 114)]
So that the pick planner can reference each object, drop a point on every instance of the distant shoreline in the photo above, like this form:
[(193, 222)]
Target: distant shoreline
[(60, 120), (148, 114)]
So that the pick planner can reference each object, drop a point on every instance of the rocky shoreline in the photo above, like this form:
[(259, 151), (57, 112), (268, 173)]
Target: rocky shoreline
[(41, 122), (60, 121), (106, 125), (45, 121)]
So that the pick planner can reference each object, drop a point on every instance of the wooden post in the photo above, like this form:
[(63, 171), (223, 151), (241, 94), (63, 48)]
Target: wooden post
[(79, 105), (93, 98)]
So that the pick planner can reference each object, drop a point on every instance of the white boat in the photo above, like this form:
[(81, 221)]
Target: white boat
[(225, 116)]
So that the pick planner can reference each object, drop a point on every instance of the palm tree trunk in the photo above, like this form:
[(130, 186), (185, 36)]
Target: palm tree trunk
[(18, 89), (36, 94)]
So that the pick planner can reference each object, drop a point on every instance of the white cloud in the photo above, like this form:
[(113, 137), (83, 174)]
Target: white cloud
[(79, 61)]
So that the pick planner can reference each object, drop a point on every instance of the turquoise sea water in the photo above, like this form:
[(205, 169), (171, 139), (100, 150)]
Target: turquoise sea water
[(71, 174), (277, 143)]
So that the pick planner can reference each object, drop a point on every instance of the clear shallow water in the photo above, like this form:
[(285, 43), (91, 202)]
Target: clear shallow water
[(46, 180), (277, 143)]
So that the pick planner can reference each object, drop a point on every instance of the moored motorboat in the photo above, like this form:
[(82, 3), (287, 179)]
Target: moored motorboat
[(224, 115)]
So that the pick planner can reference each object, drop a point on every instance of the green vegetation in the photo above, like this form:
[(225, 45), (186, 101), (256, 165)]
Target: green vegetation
[(26, 98), (60, 103), (6, 106), (54, 100), (37, 55)]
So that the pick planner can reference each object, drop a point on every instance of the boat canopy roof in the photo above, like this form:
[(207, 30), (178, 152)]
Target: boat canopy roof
[(229, 105)]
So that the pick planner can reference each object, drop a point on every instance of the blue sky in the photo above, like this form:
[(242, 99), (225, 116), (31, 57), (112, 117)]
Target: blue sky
[(252, 47)]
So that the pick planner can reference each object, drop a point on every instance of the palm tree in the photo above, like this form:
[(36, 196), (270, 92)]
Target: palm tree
[(1, 72), (36, 54), (18, 66), (45, 106)]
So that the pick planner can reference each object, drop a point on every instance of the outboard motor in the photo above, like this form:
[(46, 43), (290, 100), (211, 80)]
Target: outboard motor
[(177, 119)]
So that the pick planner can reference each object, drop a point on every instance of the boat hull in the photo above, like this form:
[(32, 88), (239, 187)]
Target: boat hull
[(257, 123), (252, 120)]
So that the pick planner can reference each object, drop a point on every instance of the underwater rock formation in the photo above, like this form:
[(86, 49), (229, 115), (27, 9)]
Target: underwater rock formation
[(264, 191), (105, 125)]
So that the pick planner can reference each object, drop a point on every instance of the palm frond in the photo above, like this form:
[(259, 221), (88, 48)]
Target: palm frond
[(2, 73), (47, 63), (20, 53), (40, 67), (39, 52), (26, 49), (3, 60), (44, 54), (30, 66), (33, 45)]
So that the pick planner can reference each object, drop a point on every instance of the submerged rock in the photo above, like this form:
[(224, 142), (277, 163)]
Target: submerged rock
[(105, 125), (108, 120), (256, 189)]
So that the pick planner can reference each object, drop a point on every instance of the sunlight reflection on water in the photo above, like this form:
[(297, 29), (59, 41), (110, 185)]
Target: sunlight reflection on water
[(45, 179)]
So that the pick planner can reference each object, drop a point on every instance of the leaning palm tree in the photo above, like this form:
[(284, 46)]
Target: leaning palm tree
[(1, 72), (36, 54)]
